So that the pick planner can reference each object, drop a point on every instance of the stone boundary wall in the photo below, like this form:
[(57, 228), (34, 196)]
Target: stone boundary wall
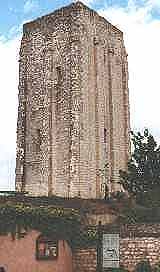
[(133, 251), (138, 242)]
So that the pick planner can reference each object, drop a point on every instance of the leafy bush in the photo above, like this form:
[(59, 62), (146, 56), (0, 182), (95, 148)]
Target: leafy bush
[(118, 269), (48, 220), (143, 173), (157, 267), (143, 266)]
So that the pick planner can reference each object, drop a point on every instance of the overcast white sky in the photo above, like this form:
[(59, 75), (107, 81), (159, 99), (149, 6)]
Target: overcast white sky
[(140, 22)]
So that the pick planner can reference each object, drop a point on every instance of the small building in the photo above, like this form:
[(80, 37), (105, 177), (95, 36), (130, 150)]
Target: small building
[(43, 233), (47, 234), (35, 253)]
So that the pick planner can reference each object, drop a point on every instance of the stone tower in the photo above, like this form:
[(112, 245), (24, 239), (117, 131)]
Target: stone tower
[(73, 114)]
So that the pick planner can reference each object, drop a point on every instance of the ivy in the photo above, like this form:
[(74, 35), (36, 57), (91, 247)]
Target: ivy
[(86, 238), (140, 214), (17, 217), (48, 220), (53, 221)]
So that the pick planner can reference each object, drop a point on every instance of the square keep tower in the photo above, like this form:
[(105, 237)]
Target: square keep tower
[(73, 114)]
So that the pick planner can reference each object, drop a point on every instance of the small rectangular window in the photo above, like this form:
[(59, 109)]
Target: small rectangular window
[(105, 135), (59, 75), (38, 140), (46, 249)]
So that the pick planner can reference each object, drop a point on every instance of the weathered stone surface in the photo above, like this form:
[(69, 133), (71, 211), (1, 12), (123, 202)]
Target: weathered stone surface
[(139, 242), (73, 113)]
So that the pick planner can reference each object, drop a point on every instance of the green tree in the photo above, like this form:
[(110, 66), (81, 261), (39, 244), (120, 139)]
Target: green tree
[(143, 173)]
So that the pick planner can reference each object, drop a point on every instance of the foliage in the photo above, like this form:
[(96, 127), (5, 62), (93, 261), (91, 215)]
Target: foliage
[(143, 266), (150, 199), (140, 215), (118, 269), (143, 173), (118, 196), (157, 267), (86, 238), (64, 223), (48, 220)]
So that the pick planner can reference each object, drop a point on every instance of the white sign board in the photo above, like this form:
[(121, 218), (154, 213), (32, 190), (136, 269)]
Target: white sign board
[(110, 248)]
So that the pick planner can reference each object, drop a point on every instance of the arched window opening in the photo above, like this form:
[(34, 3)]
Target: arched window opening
[(105, 135)]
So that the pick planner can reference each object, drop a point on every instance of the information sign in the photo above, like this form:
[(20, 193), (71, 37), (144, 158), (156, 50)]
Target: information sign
[(110, 249)]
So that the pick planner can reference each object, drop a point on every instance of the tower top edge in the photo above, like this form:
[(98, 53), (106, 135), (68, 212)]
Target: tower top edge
[(65, 11)]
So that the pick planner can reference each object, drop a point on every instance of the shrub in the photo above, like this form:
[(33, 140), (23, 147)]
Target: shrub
[(157, 267), (117, 269), (143, 266)]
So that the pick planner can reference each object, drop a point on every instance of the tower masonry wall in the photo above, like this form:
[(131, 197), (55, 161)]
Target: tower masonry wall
[(73, 114)]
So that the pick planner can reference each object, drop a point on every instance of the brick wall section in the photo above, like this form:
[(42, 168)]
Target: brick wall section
[(73, 85), (85, 260)]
